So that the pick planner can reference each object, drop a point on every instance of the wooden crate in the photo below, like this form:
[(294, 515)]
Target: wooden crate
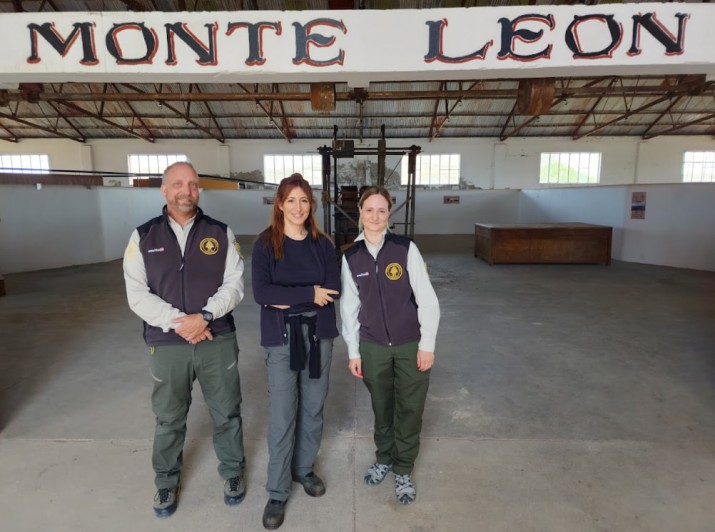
[(560, 243)]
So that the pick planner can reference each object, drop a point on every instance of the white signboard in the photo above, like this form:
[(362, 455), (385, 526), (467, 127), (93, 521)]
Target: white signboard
[(359, 46)]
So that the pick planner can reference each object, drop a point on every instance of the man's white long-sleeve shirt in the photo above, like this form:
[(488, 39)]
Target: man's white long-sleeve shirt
[(428, 312), (157, 312)]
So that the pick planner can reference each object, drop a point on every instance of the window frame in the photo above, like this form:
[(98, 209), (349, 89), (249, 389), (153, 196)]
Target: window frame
[(565, 159), (447, 167), (706, 166), (309, 165), (161, 162), (23, 163)]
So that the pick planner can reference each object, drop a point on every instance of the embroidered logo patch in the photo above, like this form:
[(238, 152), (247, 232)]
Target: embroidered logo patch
[(393, 271), (209, 246)]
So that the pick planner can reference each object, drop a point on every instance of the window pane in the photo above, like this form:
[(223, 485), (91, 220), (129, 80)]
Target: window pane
[(436, 169), (699, 167), (570, 168), (25, 163), (277, 167), (144, 165)]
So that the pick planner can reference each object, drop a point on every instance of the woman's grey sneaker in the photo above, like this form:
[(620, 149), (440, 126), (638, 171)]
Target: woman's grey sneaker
[(404, 489), (234, 490), (377, 473), (165, 501)]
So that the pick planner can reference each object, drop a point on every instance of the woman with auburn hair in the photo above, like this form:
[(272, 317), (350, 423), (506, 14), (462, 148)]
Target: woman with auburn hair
[(390, 315), (295, 280)]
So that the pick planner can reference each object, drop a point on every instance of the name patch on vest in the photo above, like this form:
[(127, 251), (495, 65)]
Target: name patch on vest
[(209, 246), (155, 250), (393, 271)]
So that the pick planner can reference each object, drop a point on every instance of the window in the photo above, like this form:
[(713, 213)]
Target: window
[(699, 167), (570, 168), (141, 164), (26, 163), (277, 167), (437, 169)]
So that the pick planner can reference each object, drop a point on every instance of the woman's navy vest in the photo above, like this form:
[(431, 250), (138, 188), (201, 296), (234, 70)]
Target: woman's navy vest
[(388, 311)]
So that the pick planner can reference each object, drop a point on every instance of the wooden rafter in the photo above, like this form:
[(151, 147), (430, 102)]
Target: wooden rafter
[(212, 115), (38, 126), (625, 115), (591, 110), (711, 116), (529, 121), (136, 116), (67, 120), (262, 107), (433, 122), (87, 112), (13, 138), (661, 115), (506, 122), (177, 112)]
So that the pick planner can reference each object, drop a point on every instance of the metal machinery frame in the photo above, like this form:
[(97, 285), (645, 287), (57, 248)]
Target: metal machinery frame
[(334, 215)]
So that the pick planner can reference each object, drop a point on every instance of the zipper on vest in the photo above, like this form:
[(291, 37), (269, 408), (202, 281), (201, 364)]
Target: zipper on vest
[(382, 302)]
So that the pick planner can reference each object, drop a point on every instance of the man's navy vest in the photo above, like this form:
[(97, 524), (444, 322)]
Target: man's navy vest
[(184, 282), (388, 312)]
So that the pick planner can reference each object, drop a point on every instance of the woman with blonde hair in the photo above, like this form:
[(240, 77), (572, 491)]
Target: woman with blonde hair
[(295, 280), (390, 316)]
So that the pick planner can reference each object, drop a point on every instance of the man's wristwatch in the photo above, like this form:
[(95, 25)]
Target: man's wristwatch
[(207, 316)]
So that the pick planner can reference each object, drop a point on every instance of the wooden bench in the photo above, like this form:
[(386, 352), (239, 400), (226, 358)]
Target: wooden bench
[(559, 243)]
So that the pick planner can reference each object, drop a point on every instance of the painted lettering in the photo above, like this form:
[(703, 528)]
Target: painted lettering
[(435, 50), (673, 45), (61, 45), (510, 33), (304, 38), (115, 50), (255, 38), (615, 30), (207, 55)]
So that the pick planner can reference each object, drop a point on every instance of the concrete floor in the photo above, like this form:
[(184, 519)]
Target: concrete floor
[(565, 398)]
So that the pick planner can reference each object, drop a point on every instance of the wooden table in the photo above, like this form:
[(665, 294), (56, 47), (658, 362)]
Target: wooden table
[(564, 243)]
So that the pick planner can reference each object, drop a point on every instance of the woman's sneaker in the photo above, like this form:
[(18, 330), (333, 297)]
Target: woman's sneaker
[(165, 501), (377, 473), (404, 489)]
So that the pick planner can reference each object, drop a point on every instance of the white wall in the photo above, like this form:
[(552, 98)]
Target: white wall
[(123, 210), (49, 228), (60, 226), (433, 216), (486, 163), (678, 229)]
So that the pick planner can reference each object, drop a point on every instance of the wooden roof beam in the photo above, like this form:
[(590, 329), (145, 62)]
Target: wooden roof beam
[(38, 126), (91, 114), (711, 116), (623, 117), (176, 111), (591, 111), (267, 113), (212, 115)]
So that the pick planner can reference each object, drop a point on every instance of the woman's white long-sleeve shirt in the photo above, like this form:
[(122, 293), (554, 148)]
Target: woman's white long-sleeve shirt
[(427, 304)]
